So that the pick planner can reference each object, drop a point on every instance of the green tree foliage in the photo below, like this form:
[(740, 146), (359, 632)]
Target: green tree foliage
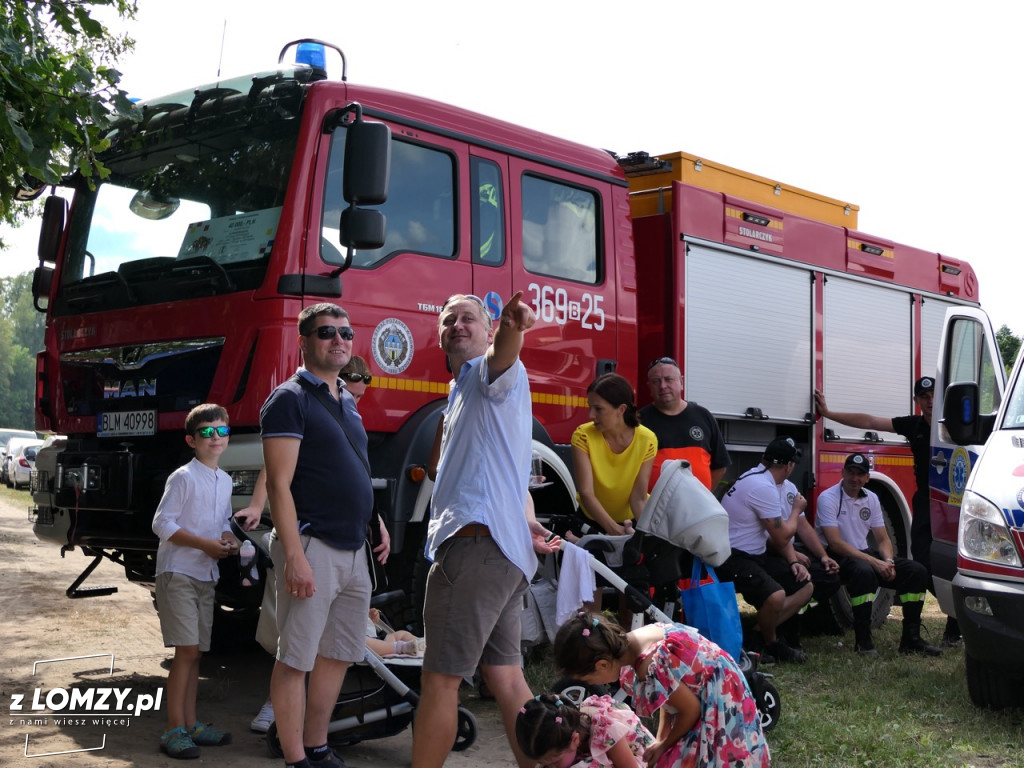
[(21, 336), (1009, 346), (58, 92)]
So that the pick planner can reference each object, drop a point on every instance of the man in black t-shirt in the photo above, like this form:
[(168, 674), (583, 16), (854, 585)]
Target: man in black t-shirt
[(684, 430), (917, 429)]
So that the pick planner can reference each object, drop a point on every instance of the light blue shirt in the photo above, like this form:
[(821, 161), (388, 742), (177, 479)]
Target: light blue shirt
[(485, 462), (198, 500)]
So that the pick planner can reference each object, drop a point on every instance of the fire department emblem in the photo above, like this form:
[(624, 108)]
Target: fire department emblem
[(697, 433), (790, 498), (865, 513), (392, 345)]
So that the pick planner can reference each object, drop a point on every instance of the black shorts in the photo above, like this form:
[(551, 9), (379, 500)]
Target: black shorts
[(750, 575)]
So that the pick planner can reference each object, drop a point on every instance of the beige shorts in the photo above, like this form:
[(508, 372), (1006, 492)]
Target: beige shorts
[(473, 609), (332, 622), (185, 606)]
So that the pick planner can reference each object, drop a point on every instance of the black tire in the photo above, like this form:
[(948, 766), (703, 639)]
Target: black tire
[(990, 687), (273, 742), (769, 704), (465, 736), (842, 611)]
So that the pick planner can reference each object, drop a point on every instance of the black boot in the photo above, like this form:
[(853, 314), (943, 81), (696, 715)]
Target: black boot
[(912, 642), (862, 630), (951, 637)]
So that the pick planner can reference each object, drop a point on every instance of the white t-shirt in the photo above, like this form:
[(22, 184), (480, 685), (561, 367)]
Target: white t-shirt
[(787, 495), (854, 517), (753, 497)]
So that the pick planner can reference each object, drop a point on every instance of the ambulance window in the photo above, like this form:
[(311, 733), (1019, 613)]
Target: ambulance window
[(420, 209), (559, 230), (968, 359), (488, 222)]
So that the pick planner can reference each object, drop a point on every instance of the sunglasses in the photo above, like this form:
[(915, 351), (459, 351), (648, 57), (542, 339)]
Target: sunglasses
[(662, 361), (325, 332), (471, 297), (355, 378), (211, 431)]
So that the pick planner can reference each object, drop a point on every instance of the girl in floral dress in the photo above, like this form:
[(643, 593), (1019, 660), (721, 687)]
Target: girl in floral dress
[(601, 733), (707, 716)]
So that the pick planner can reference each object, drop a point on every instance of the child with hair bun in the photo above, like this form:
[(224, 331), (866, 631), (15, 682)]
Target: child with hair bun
[(602, 732), (707, 716)]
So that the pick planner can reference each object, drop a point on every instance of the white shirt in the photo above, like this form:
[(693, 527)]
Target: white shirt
[(787, 495), (753, 497), (854, 517), (486, 444), (196, 499)]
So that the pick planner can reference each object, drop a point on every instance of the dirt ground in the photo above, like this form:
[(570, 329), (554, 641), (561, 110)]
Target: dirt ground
[(113, 642)]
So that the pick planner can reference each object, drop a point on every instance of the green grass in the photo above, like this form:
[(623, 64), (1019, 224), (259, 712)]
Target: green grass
[(843, 711)]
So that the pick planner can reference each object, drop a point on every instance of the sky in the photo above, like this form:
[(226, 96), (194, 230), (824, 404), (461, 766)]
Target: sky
[(908, 109)]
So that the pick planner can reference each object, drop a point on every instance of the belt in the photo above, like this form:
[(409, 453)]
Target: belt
[(475, 530)]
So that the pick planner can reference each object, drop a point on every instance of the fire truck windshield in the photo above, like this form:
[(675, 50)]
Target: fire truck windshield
[(191, 204)]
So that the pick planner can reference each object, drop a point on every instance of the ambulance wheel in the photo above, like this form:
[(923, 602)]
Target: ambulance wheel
[(989, 686), (274, 743), (769, 705), (466, 733)]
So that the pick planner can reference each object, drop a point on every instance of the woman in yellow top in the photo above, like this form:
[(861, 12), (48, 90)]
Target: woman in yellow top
[(613, 455)]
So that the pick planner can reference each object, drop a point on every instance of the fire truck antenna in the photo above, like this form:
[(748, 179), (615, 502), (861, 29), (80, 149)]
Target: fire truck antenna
[(223, 35)]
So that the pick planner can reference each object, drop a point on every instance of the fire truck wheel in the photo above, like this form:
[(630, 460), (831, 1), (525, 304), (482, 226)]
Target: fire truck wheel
[(842, 611)]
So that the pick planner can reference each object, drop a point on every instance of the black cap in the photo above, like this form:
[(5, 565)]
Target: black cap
[(924, 384), (781, 450), (857, 461)]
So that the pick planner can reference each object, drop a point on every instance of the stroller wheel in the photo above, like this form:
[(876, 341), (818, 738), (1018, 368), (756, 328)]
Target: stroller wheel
[(273, 742), (769, 705), (577, 691), (466, 733)]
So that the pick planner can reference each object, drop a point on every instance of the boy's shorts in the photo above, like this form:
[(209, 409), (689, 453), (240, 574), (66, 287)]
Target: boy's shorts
[(332, 622), (473, 608), (185, 606)]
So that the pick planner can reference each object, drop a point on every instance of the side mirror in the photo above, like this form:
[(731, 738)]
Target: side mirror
[(960, 414), (52, 229), (362, 229), (42, 281), (367, 163)]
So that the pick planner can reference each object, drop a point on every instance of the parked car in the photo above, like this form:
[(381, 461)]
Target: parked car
[(5, 437), (23, 460), (10, 448)]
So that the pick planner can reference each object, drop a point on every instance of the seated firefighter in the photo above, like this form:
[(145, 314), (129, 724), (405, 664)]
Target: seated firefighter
[(847, 512)]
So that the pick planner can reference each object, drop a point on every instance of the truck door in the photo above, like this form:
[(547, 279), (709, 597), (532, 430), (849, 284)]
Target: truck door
[(562, 259), (967, 352), (489, 235)]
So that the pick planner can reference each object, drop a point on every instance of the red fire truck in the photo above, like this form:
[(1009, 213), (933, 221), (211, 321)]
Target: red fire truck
[(177, 280)]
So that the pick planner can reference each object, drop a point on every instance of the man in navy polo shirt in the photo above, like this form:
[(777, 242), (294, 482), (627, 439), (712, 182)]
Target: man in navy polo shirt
[(321, 499)]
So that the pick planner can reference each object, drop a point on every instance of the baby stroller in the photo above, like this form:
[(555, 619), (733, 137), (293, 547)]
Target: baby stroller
[(684, 514), (379, 698), (380, 694)]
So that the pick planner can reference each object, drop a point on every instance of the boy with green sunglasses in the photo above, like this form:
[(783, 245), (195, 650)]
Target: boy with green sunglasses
[(192, 521)]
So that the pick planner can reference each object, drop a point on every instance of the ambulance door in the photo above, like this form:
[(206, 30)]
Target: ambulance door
[(967, 352)]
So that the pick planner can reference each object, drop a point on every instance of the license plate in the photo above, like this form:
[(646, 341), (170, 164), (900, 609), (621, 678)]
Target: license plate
[(126, 424)]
